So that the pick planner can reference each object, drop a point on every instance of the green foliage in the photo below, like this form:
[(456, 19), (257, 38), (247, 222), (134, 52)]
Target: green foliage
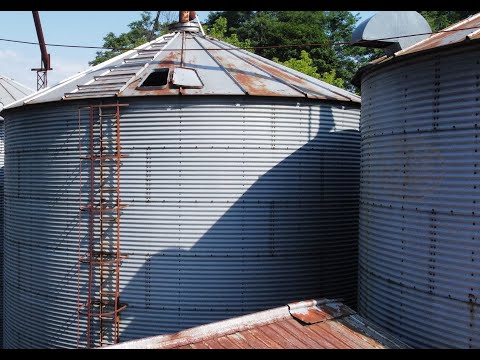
[(304, 64), (439, 20), (140, 32), (234, 18), (263, 28), (330, 77), (219, 29)]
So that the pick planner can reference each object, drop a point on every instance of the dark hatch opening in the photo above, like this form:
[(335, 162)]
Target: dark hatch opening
[(157, 78)]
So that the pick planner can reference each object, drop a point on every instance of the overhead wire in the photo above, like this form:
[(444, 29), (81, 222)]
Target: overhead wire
[(327, 43)]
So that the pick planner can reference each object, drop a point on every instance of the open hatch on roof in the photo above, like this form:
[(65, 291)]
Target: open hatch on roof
[(158, 79), (179, 77)]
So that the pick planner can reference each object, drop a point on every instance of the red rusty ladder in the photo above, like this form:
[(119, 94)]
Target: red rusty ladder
[(101, 253)]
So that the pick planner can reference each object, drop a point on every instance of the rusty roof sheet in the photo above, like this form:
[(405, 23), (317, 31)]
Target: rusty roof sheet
[(222, 69), (312, 324), (465, 30)]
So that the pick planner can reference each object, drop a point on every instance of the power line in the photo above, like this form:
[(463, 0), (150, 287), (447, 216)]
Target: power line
[(327, 43)]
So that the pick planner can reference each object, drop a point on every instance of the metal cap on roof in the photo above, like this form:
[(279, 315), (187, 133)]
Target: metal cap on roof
[(464, 31), (208, 67), (391, 30), (10, 91)]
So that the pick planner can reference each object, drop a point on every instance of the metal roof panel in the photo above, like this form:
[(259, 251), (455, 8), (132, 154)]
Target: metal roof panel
[(333, 326), (222, 69)]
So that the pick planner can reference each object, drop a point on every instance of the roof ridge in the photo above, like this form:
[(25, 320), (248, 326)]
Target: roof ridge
[(438, 34)]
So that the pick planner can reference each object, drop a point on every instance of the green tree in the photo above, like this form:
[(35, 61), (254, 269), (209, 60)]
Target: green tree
[(219, 29), (304, 64), (234, 19), (140, 33), (306, 27), (331, 78), (439, 20)]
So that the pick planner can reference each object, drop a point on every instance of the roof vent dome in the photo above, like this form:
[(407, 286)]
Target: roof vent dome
[(393, 28)]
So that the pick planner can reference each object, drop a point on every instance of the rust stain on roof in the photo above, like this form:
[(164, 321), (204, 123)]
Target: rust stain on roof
[(467, 29), (313, 324), (222, 68), (169, 61), (313, 312), (302, 85), (245, 75)]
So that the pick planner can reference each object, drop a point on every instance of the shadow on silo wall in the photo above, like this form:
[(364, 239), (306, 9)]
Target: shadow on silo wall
[(316, 207)]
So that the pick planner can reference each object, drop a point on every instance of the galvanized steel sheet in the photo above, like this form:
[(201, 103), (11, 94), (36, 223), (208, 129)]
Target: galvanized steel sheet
[(10, 91), (419, 253), (236, 204), (2, 152), (222, 69)]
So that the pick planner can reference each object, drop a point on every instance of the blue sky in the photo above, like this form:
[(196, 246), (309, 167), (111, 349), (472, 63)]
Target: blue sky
[(63, 27)]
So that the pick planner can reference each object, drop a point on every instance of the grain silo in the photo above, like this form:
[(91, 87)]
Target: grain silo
[(419, 250), (10, 91), (180, 183)]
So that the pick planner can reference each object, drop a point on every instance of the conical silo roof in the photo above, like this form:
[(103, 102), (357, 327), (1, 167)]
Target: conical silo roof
[(11, 91), (188, 63)]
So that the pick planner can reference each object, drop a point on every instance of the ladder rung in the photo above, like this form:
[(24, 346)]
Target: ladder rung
[(109, 293), (110, 269), (86, 259), (102, 210), (104, 157), (112, 115)]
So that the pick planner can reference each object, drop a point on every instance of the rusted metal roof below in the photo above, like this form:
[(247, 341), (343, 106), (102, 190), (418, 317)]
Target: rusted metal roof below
[(312, 324)]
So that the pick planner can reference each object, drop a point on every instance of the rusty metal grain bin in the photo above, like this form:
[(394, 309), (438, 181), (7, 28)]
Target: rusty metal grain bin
[(237, 202), (10, 91), (419, 250)]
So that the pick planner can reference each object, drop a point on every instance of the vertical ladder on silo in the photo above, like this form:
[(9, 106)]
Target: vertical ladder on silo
[(103, 258)]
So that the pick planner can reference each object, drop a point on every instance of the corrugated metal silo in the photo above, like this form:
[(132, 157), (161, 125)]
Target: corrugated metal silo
[(10, 91), (241, 183), (419, 253)]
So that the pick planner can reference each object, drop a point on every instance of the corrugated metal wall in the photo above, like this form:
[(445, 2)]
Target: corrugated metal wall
[(2, 152), (236, 204), (419, 251)]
